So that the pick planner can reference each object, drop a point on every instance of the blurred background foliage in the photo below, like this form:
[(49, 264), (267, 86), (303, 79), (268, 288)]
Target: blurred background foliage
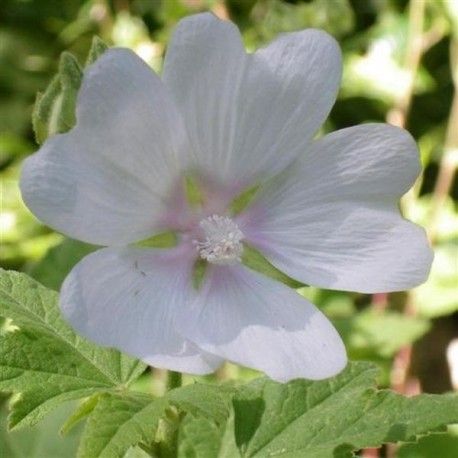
[(400, 66)]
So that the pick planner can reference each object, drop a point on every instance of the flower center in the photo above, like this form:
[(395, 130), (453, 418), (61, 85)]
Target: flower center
[(222, 244)]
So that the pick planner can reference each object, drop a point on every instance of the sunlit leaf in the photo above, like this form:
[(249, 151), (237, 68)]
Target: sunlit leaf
[(44, 360), (312, 419)]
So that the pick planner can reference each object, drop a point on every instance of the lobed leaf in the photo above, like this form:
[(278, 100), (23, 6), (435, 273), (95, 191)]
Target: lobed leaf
[(44, 360), (199, 437), (120, 421), (321, 419), (47, 363), (333, 417)]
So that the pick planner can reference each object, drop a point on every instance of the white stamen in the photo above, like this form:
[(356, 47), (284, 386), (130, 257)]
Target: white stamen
[(222, 243)]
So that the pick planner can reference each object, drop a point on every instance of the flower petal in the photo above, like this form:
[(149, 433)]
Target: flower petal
[(333, 221), (249, 319), (129, 298), (104, 182), (249, 115)]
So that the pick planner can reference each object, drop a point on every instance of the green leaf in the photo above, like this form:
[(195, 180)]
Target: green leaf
[(83, 410), (384, 332), (136, 452), (54, 111), (199, 271), (58, 261), (345, 413), (41, 441), (71, 76), (437, 297), (199, 437), (428, 446), (120, 421), (43, 110), (242, 201), (163, 240), (98, 47), (44, 359), (192, 191), (253, 259), (321, 419)]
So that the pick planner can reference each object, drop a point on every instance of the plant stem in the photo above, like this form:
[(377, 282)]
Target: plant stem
[(449, 163), (397, 116), (447, 170)]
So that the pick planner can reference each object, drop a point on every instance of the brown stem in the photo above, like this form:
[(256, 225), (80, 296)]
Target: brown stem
[(447, 169), (398, 114)]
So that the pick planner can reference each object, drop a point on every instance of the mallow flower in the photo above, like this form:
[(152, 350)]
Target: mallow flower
[(152, 155)]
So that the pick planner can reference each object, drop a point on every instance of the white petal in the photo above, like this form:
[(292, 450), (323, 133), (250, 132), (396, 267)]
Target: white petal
[(104, 182), (254, 321), (250, 115), (130, 299), (334, 221)]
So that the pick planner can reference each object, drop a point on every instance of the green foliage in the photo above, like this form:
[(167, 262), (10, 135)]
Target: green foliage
[(384, 333), (44, 359), (162, 240), (80, 413), (281, 17), (437, 297), (313, 419), (122, 420), (52, 269), (199, 437), (21, 237), (98, 47), (428, 446), (118, 422), (199, 270), (192, 191), (54, 110), (243, 200), (255, 260), (41, 441), (48, 364)]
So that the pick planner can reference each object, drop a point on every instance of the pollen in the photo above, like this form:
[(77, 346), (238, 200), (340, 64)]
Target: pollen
[(221, 240)]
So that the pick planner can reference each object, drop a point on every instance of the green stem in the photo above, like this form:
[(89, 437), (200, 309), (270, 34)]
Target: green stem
[(174, 380)]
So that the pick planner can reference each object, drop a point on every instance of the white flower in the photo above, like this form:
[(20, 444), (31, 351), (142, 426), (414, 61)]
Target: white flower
[(326, 212)]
